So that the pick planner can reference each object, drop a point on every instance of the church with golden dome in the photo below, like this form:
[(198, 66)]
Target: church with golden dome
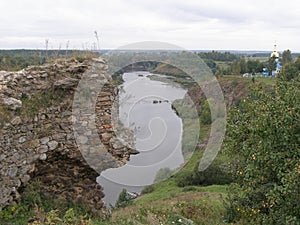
[(275, 54)]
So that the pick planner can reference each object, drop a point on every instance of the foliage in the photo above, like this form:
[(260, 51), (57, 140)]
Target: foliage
[(192, 208), (219, 56), (242, 66), (148, 189), (13, 60), (190, 119), (36, 208), (162, 174), (123, 200), (205, 115), (271, 64), (263, 138), (235, 68), (32, 105), (254, 66), (286, 57), (210, 109), (291, 70), (216, 173)]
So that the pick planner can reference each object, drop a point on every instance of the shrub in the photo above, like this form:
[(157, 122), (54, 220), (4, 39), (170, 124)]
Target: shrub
[(216, 173), (162, 174), (123, 200), (205, 116), (263, 141), (184, 178), (148, 189), (189, 188)]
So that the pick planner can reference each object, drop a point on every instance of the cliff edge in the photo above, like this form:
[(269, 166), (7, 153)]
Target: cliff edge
[(37, 142)]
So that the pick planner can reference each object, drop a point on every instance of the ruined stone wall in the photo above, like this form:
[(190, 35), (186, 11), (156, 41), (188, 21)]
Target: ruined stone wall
[(37, 140)]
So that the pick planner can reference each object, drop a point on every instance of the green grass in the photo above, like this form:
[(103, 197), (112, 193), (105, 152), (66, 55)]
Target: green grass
[(169, 204), (192, 208), (266, 80)]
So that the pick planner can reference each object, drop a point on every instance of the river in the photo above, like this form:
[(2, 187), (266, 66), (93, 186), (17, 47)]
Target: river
[(145, 108)]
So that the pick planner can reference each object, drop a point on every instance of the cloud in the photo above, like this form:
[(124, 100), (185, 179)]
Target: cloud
[(193, 24)]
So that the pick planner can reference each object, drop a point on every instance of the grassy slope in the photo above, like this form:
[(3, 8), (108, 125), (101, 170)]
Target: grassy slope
[(170, 204)]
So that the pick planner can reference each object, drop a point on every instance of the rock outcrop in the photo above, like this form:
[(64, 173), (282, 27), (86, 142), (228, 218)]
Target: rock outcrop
[(37, 141)]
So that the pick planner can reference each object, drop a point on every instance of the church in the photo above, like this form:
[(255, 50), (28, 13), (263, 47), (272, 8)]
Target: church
[(275, 54)]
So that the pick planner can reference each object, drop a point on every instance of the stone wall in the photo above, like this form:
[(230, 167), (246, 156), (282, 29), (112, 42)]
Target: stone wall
[(37, 142)]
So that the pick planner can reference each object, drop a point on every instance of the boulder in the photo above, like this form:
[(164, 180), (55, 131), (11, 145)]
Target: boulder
[(66, 83), (12, 103)]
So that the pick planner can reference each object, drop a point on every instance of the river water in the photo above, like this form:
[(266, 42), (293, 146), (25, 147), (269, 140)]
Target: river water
[(145, 108)]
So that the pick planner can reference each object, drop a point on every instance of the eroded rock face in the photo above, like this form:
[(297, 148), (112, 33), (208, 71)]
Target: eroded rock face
[(41, 145)]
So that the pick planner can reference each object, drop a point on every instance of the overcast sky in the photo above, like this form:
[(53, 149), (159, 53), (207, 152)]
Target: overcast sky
[(191, 24)]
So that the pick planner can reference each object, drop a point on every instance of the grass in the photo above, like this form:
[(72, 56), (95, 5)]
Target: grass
[(35, 208), (266, 80), (31, 106), (185, 208)]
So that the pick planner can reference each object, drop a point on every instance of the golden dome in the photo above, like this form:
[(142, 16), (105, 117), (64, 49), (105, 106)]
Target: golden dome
[(275, 53)]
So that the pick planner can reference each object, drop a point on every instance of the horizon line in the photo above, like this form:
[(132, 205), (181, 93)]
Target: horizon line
[(112, 49)]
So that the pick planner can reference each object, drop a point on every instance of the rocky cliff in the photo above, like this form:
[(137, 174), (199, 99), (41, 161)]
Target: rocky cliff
[(37, 142)]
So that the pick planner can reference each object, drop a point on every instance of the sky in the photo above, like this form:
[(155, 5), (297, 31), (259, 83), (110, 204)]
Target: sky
[(190, 24)]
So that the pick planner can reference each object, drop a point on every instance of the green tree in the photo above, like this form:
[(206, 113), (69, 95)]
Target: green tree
[(271, 64), (263, 141), (254, 66), (236, 68), (205, 115), (290, 71), (286, 57), (243, 65), (123, 200), (297, 63)]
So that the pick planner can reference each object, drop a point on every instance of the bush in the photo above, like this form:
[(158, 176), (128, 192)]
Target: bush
[(148, 189), (184, 178), (162, 174), (123, 200), (263, 140), (205, 116), (189, 188), (216, 173)]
